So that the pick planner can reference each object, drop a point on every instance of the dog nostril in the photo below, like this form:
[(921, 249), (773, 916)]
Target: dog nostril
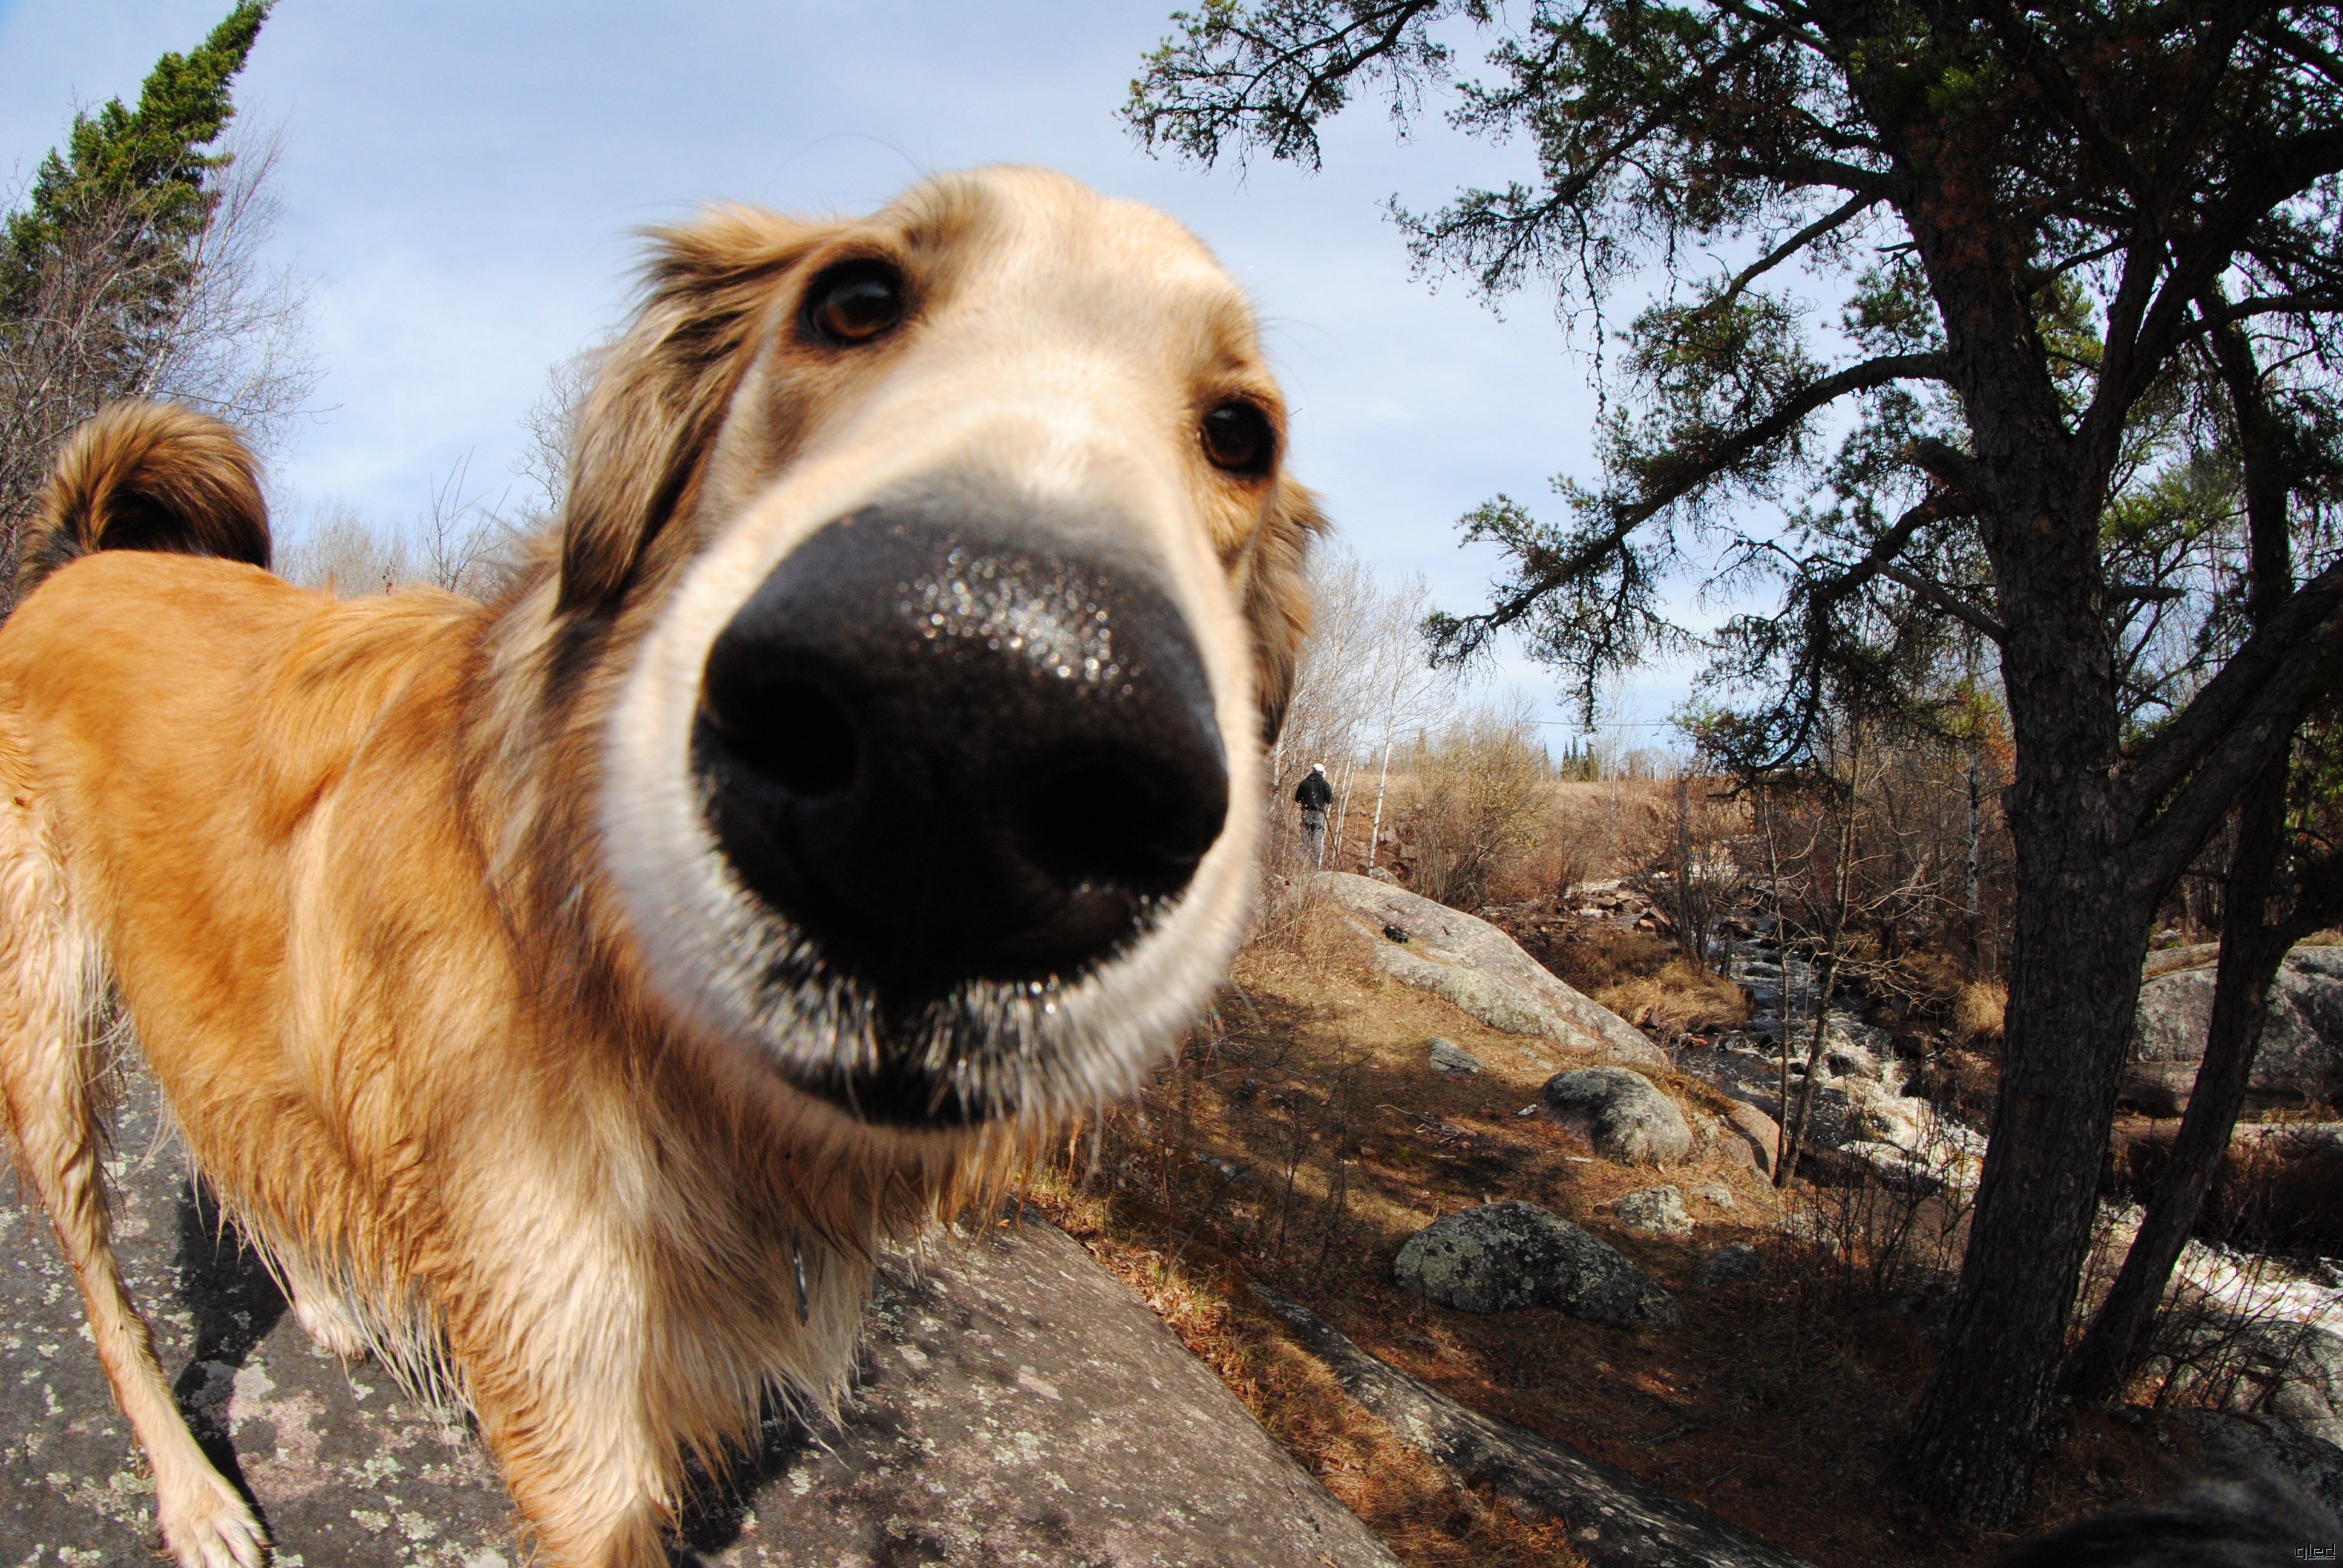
[(790, 731), (1118, 823)]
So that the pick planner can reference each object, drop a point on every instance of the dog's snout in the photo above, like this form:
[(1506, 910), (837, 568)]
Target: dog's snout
[(949, 744)]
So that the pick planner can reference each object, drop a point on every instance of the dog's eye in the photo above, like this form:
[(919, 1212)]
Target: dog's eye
[(1238, 438), (854, 302)]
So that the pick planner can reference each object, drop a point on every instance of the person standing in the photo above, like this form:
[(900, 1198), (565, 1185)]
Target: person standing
[(1313, 794)]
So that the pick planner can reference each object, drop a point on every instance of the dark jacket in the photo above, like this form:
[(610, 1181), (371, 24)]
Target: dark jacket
[(1314, 792)]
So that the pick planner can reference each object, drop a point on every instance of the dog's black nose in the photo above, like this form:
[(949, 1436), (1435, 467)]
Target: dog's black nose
[(949, 750)]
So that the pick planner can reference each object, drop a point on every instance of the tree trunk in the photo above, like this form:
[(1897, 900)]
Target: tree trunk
[(1970, 843), (2251, 949), (2079, 938), (2251, 953), (1375, 828), (2075, 965), (2084, 902)]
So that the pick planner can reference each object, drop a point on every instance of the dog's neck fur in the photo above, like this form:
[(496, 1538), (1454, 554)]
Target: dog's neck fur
[(685, 1147)]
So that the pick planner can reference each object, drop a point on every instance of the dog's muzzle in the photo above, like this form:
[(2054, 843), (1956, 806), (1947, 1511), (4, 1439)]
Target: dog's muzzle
[(949, 745)]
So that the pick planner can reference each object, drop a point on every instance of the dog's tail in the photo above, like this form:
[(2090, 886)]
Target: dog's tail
[(148, 477)]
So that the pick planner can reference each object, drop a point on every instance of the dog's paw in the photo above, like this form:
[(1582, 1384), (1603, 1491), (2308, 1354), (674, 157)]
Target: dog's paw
[(206, 1526), (330, 1326)]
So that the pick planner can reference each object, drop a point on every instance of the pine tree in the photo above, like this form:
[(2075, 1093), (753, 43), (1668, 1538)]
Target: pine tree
[(105, 268), (152, 159), (2044, 220)]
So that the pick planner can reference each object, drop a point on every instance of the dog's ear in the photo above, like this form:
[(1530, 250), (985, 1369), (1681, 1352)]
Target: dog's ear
[(1277, 597), (148, 477), (664, 388)]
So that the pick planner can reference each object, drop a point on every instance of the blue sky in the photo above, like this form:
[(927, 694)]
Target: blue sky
[(461, 182)]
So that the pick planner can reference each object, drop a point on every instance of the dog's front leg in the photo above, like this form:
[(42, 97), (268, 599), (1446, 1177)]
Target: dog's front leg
[(588, 1492), (553, 1363)]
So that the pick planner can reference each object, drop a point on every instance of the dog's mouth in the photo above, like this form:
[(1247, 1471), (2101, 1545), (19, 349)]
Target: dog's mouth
[(963, 770)]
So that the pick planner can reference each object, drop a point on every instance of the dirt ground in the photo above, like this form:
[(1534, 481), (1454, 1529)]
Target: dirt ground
[(1302, 1136)]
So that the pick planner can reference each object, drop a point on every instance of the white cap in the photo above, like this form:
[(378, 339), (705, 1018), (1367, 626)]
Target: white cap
[(1317, 767)]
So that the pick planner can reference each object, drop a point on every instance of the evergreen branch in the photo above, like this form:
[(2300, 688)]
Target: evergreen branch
[(2136, 358), (2043, 66), (1853, 207), (1946, 599), (1457, 638)]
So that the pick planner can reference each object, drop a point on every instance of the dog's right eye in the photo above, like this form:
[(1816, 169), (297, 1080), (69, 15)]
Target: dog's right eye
[(854, 302)]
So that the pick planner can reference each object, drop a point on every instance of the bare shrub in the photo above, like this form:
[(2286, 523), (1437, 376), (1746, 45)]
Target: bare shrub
[(338, 553), (1365, 677), (1473, 798), (552, 427), (1689, 862), (1892, 1225)]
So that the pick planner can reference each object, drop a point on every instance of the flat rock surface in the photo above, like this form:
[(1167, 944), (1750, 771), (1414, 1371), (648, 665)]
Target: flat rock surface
[(1017, 1403), (1481, 970)]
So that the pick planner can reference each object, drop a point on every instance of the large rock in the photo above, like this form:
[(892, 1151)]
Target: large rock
[(1503, 1257), (2247, 1444), (1622, 1114), (1755, 1131), (1017, 1403), (1478, 968), (2302, 1053), (1730, 1265)]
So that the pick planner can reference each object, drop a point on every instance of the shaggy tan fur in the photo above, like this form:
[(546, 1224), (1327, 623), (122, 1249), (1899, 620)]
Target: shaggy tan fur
[(408, 899)]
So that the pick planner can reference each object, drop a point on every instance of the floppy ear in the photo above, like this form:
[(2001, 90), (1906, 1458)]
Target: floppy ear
[(1277, 597), (148, 477), (664, 388)]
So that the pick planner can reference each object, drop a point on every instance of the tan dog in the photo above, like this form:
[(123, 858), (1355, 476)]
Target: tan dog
[(569, 992)]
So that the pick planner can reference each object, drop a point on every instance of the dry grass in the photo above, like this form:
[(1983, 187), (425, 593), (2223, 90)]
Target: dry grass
[(1422, 1513), (1678, 1000), (1979, 1008), (1596, 955), (1303, 1136)]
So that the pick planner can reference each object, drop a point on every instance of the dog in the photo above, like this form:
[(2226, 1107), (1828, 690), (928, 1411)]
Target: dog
[(567, 992)]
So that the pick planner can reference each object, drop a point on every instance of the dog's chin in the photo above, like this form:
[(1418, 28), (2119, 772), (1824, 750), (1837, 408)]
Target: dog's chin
[(904, 1096), (921, 1058)]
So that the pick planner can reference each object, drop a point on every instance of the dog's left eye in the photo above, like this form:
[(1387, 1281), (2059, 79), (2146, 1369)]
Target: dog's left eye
[(854, 302), (1238, 438)]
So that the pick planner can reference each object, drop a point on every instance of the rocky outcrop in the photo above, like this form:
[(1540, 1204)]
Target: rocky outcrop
[(1620, 1113), (1615, 1519), (2300, 1058), (1016, 1404), (1653, 1211), (1503, 1257), (1472, 964), (2292, 1371)]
